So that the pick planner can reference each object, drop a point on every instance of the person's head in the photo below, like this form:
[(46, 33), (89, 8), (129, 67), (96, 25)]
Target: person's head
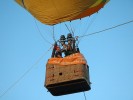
[(62, 37), (64, 45), (58, 48), (69, 35)]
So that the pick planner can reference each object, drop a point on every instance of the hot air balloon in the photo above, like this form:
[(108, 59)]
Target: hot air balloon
[(69, 74)]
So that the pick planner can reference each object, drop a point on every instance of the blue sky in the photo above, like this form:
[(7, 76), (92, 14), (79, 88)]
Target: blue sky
[(109, 54)]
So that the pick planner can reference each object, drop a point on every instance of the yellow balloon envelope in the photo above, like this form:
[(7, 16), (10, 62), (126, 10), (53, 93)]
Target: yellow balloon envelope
[(56, 11)]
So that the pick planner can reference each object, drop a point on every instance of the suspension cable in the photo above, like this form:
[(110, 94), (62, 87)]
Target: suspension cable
[(41, 33), (24, 74), (71, 28), (85, 96), (54, 34), (23, 4), (67, 28), (91, 22), (106, 29)]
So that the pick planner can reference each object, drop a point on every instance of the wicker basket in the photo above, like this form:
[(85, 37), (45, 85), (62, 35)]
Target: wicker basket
[(67, 79)]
